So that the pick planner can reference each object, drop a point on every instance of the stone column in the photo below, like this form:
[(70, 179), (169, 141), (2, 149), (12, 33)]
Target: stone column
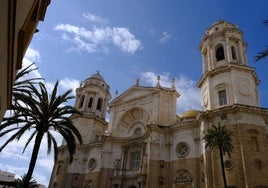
[(204, 63), (211, 58), (241, 54), (228, 51)]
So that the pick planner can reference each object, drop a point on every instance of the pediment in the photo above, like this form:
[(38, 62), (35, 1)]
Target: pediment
[(133, 93)]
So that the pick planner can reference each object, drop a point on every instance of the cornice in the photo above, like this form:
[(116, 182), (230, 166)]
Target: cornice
[(89, 116), (235, 108), (228, 68), (125, 140)]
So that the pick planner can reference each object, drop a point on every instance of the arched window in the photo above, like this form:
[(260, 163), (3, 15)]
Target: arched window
[(97, 138), (99, 104), (222, 97), (90, 102), (233, 52), (81, 101), (220, 53), (55, 185)]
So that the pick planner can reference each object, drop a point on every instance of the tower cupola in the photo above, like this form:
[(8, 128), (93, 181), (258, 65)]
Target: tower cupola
[(93, 95), (222, 44), (227, 79)]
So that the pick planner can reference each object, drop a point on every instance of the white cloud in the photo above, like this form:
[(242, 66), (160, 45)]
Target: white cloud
[(165, 37), (94, 18), (190, 94), (99, 37), (68, 83), (41, 179), (32, 55), (19, 171), (46, 164), (125, 40), (64, 85)]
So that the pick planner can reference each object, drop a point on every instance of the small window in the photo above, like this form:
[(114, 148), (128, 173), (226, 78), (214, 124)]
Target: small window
[(255, 144), (81, 101), (135, 158), (182, 149), (258, 163), (92, 164), (220, 53), (90, 102), (228, 164), (55, 185), (222, 97), (233, 52), (137, 132), (99, 104), (97, 138)]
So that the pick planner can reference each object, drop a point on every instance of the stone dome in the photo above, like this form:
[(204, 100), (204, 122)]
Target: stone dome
[(189, 114), (219, 26), (96, 80), (96, 76)]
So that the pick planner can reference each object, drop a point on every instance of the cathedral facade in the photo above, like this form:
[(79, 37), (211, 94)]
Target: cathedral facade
[(146, 144)]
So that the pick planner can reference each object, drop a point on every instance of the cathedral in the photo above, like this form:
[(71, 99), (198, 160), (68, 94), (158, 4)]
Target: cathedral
[(146, 144)]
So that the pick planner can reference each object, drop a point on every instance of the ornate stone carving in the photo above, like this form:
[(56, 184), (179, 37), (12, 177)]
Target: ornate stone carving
[(183, 179), (116, 167)]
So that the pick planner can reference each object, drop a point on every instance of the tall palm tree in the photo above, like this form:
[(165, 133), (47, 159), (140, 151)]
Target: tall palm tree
[(20, 181), (264, 53), (22, 82), (219, 137), (42, 113)]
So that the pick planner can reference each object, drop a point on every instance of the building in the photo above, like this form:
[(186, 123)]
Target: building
[(147, 144), (6, 179), (18, 19)]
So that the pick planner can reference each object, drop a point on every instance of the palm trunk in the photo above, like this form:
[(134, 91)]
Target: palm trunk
[(35, 152), (222, 168)]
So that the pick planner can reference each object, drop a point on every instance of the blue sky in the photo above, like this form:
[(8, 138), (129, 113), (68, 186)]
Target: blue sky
[(126, 40)]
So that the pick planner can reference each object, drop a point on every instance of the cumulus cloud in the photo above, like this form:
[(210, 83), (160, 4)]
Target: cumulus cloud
[(64, 85), (190, 94), (94, 18), (98, 37), (68, 83), (32, 55), (165, 37), (46, 164)]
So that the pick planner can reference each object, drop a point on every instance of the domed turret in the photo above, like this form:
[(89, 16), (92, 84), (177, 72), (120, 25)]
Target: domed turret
[(93, 95), (222, 44), (227, 79)]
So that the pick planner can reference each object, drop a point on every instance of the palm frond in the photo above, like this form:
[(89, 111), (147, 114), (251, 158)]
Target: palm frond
[(28, 141), (219, 137), (261, 55)]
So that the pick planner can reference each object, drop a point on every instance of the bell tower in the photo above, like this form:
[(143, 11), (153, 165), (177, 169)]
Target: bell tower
[(227, 79), (92, 96)]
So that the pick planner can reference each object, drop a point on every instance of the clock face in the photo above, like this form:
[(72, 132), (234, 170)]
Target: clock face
[(243, 89)]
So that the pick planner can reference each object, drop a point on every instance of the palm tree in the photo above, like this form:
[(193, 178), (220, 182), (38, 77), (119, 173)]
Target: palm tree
[(22, 82), (41, 114), (20, 181), (219, 137), (264, 53)]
